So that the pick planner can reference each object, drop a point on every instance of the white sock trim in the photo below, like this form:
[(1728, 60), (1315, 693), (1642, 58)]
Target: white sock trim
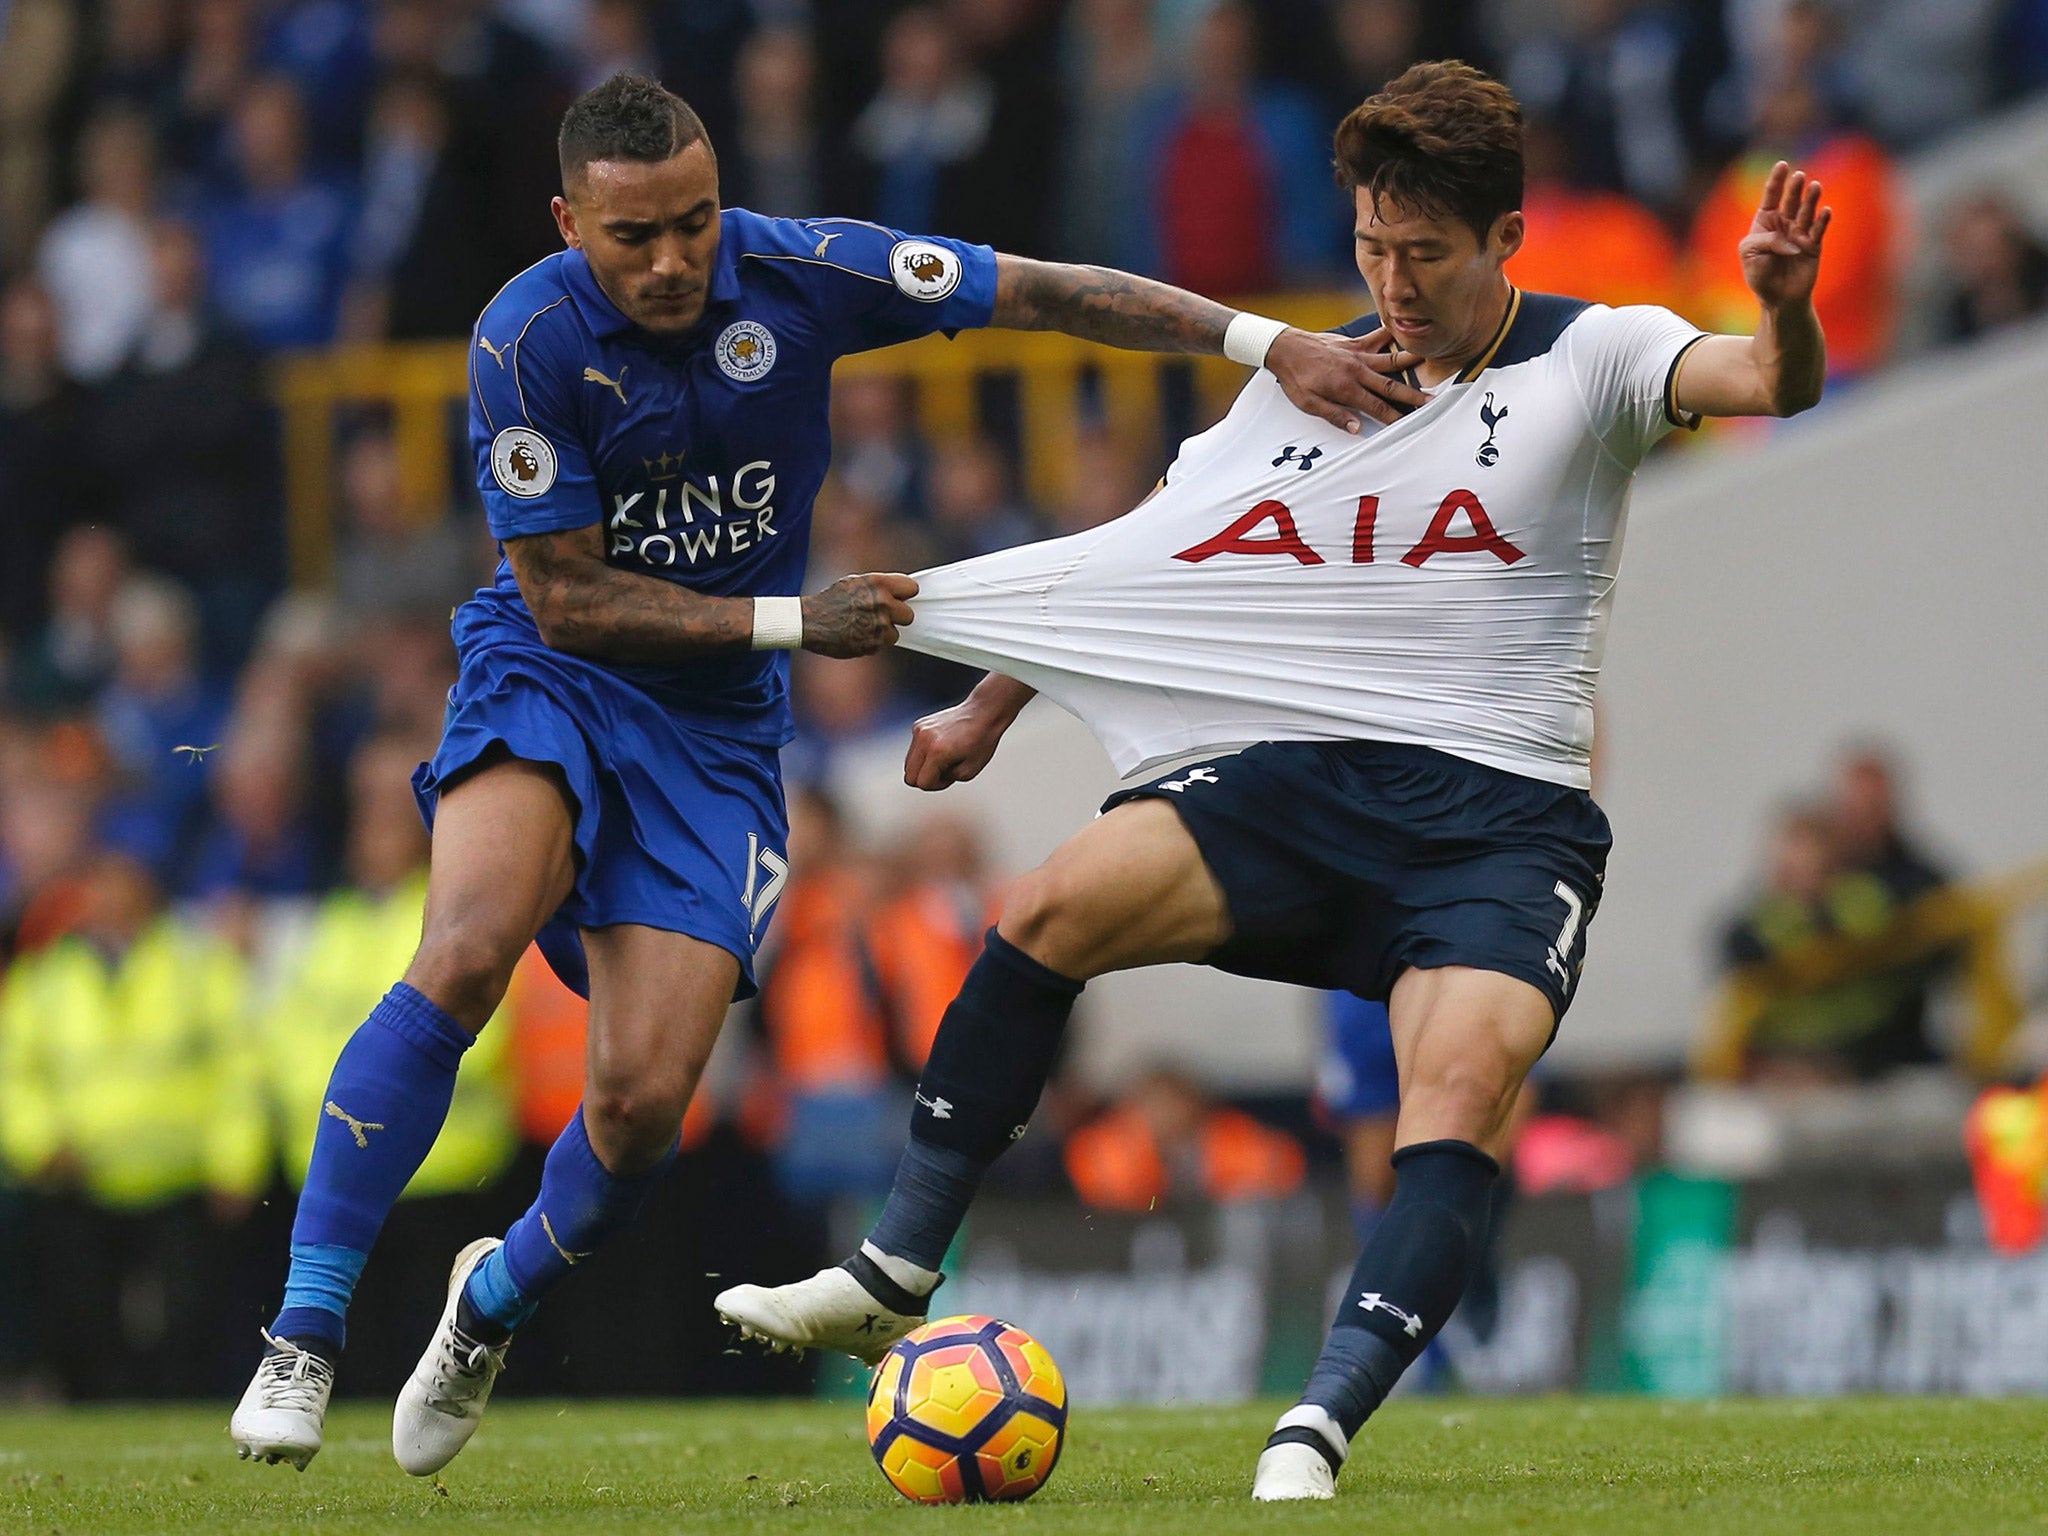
[(1309, 1416), (919, 1282)]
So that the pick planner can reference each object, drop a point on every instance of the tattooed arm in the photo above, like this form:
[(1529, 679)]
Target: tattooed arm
[(1333, 377), (588, 608)]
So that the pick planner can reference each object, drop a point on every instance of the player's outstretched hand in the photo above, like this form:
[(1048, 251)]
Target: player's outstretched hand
[(1781, 252), (1341, 378), (857, 615)]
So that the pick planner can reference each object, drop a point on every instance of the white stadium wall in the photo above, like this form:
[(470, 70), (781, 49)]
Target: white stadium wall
[(1878, 569)]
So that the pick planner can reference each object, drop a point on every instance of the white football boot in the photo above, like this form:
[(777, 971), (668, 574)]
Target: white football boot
[(443, 1401), (284, 1408), (853, 1307), (1301, 1457)]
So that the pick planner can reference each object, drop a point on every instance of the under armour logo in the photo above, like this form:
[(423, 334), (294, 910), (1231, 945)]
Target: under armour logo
[(1373, 1301), (1193, 776), (1288, 455), (1489, 455), (497, 353), (556, 1243), (359, 1129), (942, 1109), (616, 386), (819, 249)]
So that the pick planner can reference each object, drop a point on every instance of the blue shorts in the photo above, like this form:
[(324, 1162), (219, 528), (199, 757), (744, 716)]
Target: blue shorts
[(1345, 863), (1357, 1079), (677, 827)]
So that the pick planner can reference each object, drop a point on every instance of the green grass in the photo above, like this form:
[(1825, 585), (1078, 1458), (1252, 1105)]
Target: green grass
[(1445, 1465)]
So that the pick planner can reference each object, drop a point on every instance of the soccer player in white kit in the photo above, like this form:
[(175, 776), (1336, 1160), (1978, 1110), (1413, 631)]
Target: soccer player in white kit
[(1401, 630)]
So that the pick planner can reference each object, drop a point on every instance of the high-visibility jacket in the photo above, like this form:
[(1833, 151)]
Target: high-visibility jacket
[(923, 943), (141, 1068), (1595, 245), (822, 1008), (358, 945), (1116, 1164)]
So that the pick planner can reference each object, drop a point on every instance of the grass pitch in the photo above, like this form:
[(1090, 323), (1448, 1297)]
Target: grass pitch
[(1445, 1465)]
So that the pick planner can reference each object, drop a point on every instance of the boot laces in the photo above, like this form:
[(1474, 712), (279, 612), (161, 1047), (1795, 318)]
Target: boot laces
[(293, 1378)]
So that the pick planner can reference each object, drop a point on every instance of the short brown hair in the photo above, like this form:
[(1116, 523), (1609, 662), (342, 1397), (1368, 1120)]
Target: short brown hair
[(1444, 140)]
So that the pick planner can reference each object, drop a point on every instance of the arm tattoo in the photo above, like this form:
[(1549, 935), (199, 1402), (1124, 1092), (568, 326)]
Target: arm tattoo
[(588, 608), (1102, 304)]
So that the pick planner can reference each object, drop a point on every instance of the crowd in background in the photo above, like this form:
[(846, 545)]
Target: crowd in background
[(210, 864)]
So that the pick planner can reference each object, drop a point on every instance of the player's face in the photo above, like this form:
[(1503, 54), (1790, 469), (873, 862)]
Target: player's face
[(1436, 285), (650, 233)]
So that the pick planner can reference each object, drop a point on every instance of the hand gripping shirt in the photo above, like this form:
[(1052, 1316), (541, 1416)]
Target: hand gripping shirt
[(1444, 581), (700, 456)]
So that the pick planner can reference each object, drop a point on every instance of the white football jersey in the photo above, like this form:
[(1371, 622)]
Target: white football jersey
[(1444, 581)]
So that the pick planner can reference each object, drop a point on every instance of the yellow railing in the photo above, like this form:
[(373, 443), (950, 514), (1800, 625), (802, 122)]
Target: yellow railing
[(423, 386), (1968, 919)]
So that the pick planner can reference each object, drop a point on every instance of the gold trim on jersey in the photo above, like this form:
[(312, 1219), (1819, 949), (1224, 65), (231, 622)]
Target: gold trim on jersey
[(1478, 365)]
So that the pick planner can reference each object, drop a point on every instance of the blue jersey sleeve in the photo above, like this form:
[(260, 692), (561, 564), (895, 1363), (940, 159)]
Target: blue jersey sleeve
[(878, 286), (527, 429)]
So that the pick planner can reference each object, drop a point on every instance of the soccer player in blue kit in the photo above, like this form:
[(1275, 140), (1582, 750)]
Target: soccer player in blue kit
[(649, 415)]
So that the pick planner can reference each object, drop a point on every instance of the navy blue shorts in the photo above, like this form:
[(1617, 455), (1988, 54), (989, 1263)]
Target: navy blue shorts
[(1345, 863), (677, 827), (1357, 1078)]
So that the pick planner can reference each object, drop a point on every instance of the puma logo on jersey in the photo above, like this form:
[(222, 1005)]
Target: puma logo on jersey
[(1305, 462), (1488, 454), (360, 1129), (819, 248), (1193, 776), (616, 386), (497, 353)]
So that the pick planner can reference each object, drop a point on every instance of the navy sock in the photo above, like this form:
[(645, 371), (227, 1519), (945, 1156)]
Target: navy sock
[(989, 1063), (386, 1100), (1414, 1267), (581, 1203)]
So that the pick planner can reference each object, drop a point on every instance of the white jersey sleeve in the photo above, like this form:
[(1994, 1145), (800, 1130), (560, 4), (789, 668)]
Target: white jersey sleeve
[(1624, 362)]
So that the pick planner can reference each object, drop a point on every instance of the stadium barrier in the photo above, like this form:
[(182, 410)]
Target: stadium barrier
[(1970, 919), (1062, 385)]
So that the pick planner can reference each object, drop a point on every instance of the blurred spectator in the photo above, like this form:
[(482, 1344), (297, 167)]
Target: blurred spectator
[(1237, 198), (926, 936), (259, 841), (1920, 68), (1814, 891), (825, 1020), (324, 47), (1626, 82), (1164, 1139), (1376, 40), (162, 721), (220, 51), (94, 257), (68, 663), (876, 454), (1108, 481), (839, 707), (277, 245), (129, 1101), (408, 135), (39, 39), (775, 163), (614, 39), (390, 563), (973, 508), (45, 848), (1996, 268), (189, 445), (49, 476), (1589, 243), (138, 58), (360, 937), (1857, 293), (1109, 70)]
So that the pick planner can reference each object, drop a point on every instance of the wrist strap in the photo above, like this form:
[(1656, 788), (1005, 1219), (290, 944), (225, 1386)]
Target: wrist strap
[(1248, 338), (778, 623)]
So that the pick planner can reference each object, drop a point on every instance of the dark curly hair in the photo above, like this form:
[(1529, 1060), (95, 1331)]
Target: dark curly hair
[(1443, 140), (629, 117)]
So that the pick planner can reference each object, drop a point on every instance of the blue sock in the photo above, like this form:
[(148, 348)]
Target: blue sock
[(1414, 1267), (386, 1100), (581, 1203), (933, 1188)]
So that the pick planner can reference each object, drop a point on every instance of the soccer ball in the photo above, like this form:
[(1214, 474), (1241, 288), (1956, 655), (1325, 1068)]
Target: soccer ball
[(965, 1409)]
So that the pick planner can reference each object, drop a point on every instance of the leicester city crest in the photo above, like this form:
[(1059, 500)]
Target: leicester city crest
[(745, 351)]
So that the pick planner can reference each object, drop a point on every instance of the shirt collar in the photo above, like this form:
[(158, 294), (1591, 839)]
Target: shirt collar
[(607, 320)]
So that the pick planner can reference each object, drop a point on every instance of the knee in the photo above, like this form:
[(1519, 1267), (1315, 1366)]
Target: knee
[(464, 967), (1043, 916), (633, 1123), (1468, 1101)]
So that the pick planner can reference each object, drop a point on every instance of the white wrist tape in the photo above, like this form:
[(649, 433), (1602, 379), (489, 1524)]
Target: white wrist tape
[(778, 623), (1248, 338)]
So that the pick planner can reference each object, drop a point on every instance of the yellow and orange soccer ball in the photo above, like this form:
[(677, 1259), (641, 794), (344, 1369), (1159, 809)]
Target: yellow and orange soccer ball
[(965, 1409)]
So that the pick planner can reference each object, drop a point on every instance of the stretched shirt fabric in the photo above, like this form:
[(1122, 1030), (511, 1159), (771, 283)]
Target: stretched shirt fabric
[(1444, 581), (700, 455)]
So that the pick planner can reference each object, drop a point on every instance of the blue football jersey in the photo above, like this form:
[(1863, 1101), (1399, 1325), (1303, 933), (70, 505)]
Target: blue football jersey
[(699, 455)]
